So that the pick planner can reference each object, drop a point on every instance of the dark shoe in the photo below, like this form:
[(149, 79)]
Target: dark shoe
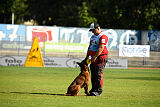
[(94, 94)]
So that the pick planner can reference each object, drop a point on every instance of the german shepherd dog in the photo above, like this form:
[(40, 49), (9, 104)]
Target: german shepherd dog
[(81, 81)]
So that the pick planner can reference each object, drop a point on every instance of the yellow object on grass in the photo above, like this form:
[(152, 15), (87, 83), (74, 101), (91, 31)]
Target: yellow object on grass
[(34, 58)]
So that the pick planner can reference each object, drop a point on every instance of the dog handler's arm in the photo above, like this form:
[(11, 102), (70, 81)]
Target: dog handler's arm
[(100, 49)]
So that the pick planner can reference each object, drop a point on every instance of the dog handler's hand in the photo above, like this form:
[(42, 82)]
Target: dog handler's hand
[(100, 49), (93, 59)]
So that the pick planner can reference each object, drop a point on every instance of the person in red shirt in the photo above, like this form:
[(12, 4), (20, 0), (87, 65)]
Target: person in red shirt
[(99, 56)]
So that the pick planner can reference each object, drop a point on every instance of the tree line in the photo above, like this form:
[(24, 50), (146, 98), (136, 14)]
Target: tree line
[(110, 14)]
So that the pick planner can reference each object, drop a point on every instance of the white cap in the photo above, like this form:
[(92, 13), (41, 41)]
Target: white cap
[(93, 26)]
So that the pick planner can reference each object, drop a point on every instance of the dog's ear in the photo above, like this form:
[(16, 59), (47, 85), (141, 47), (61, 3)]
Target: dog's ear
[(80, 64), (84, 62)]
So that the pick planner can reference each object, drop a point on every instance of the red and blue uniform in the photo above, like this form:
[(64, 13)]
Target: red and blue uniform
[(97, 40), (98, 66)]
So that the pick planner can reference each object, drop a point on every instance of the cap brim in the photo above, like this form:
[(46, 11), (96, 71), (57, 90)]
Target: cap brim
[(91, 30)]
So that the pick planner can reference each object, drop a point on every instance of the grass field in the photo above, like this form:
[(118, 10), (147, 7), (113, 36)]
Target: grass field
[(45, 87)]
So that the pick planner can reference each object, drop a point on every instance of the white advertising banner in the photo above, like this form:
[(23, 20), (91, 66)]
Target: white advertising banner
[(117, 63), (134, 50), (43, 33), (59, 62)]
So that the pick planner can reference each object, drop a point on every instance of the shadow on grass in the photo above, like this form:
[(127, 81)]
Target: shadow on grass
[(137, 78), (35, 93)]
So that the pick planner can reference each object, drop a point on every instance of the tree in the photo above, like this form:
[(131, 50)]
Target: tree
[(115, 14), (7, 7), (129, 14), (19, 9), (84, 19), (5, 11), (140, 14)]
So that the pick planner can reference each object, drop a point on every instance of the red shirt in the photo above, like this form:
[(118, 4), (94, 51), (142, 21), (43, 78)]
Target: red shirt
[(102, 40)]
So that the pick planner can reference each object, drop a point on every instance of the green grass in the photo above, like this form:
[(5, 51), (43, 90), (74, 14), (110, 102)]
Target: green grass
[(44, 87)]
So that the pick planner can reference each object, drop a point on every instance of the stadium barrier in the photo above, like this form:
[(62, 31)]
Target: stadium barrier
[(59, 62)]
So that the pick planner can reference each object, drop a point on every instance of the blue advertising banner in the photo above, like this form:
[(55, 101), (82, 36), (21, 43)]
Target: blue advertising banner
[(12, 32), (121, 37), (154, 40)]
